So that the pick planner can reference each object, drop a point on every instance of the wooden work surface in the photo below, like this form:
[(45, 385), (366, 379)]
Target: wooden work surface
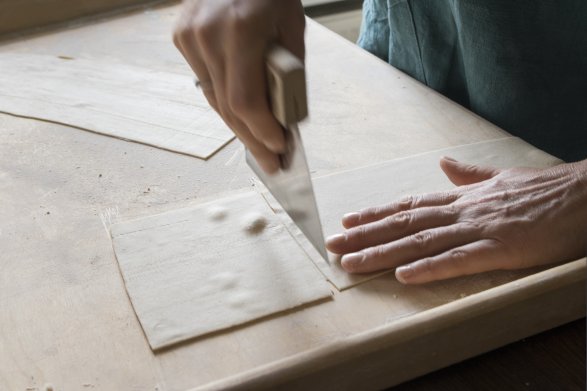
[(65, 318)]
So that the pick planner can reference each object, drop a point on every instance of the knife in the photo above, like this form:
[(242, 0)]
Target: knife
[(291, 186)]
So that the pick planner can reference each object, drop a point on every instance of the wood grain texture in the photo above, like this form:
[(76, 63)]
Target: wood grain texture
[(431, 339), (17, 15), (65, 316), (157, 108)]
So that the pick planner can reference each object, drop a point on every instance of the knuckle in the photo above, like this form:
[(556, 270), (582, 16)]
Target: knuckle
[(422, 239), (182, 33), (376, 252), (204, 30), (426, 265), (498, 183), (506, 195), (399, 220), (474, 225), (417, 200), (458, 254), (360, 234), (452, 210), (471, 169), (447, 197), (458, 257), (240, 21), (406, 203)]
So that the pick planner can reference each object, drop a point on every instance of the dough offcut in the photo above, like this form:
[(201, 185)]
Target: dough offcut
[(157, 108)]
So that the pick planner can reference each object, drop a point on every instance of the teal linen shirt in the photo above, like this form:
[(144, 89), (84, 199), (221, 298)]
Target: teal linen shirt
[(520, 64)]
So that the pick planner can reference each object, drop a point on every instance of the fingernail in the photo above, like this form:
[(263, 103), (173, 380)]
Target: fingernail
[(270, 170), (334, 239), (269, 166), (352, 260), (449, 158), (403, 273), (351, 217), (277, 147)]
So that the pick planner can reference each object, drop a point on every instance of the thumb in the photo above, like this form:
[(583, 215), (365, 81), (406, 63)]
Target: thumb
[(466, 174)]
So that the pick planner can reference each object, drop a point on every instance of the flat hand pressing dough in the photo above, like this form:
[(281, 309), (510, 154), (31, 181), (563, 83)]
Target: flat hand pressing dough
[(152, 107), (350, 191), (198, 270)]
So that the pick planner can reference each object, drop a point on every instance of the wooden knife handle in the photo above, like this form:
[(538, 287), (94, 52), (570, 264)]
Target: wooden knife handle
[(286, 79)]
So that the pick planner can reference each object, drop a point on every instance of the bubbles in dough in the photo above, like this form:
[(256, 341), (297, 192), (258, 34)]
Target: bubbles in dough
[(217, 213), (224, 280), (240, 300), (254, 223)]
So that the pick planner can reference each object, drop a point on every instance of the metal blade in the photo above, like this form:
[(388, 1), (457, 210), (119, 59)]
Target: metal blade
[(292, 188)]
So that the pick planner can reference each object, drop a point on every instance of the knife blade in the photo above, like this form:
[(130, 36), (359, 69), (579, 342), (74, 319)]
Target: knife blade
[(291, 186)]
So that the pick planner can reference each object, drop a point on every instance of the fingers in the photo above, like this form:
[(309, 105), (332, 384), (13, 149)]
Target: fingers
[(459, 173), (267, 160), (225, 43), (390, 228), (376, 213), (202, 53), (465, 174), (410, 248), (184, 39), (247, 92), (476, 257)]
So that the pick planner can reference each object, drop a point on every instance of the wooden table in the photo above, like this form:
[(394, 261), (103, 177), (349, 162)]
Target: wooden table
[(65, 318)]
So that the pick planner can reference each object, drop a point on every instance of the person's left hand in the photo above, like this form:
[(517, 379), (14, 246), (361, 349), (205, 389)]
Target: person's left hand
[(494, 219)]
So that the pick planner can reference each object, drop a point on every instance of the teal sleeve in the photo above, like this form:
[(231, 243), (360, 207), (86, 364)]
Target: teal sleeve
[(520, 64)]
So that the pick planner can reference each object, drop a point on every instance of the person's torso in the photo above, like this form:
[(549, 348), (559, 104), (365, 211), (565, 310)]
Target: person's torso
[(520, 64)]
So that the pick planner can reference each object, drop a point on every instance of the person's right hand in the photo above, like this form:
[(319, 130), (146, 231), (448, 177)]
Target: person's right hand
[(225, 43)]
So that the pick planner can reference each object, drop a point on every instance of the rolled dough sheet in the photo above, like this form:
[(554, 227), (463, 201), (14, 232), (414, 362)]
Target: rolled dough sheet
[(152, 107), (198, 270), (350, 191)]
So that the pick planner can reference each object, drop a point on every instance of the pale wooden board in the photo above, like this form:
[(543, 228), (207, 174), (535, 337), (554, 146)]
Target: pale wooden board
[(362, 111), (198, 270), (351, 191), (398, 351), (65, 315), (16, 15), (157, 108)]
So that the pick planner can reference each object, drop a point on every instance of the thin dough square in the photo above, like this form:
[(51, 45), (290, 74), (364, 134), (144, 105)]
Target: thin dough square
[(207, 268)]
